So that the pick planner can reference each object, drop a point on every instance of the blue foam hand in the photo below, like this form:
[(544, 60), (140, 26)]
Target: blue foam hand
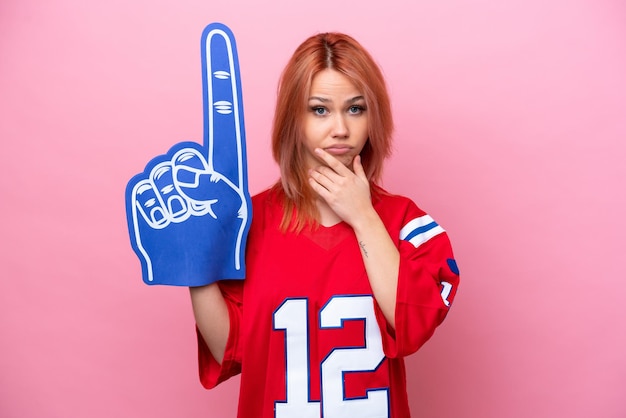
[(189, 211)]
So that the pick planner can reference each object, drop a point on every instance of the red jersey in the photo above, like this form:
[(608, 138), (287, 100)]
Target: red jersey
[(305, 330)]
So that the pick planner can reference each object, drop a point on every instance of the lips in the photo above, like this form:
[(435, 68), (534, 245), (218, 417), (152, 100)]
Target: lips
[(338, 149)]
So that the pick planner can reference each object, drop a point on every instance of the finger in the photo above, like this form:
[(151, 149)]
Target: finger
[(191, 173), (147, 204), (318, 188), (320, 178), (173, 202), (327, 172), (188, 164), (189, 167), (201, 187), (224, 134)]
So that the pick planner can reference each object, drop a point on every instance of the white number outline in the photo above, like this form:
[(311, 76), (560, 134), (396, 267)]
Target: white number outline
[(445, 292), (296, 404), (333, 314)]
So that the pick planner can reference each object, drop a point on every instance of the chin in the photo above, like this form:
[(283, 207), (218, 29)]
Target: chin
[(348, 162)]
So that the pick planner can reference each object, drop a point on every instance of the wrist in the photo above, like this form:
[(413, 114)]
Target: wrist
[(366, 220)]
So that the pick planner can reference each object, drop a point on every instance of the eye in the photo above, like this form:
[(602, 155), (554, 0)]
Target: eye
[(319, 110), (356, 109)]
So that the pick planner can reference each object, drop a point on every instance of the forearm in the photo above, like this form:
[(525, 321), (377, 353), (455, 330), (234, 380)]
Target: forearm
[(212, 319), (382, 261)]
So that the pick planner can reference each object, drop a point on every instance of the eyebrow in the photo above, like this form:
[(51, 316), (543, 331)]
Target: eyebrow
[(325, 100)]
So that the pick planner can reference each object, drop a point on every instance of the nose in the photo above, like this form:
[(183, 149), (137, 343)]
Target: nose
[(340, 127)]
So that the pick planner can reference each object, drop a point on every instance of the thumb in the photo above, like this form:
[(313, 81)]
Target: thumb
[(358, 168)]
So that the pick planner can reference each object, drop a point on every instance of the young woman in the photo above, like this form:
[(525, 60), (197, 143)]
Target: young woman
[(343, 278)]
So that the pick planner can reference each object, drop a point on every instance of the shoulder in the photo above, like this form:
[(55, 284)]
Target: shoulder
[(401, 215), (268, 197), (408, 222), (266, 207), (261, 195), (386, 202)]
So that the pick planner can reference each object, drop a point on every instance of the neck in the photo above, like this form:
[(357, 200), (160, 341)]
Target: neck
[(327, 217)]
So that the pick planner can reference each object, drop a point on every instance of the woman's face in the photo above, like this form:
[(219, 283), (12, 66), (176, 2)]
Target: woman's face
[(335, 120)]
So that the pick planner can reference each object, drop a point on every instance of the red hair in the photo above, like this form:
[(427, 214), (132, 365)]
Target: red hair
[(344, 54)]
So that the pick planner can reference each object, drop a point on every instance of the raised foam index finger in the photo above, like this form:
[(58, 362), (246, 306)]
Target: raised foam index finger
[(224, 133)]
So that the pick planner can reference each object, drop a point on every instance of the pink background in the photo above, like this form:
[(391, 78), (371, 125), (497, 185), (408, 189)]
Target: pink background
[(511, 126)]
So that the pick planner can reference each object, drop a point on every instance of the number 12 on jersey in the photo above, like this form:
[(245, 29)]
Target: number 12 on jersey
[(292, 318)]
